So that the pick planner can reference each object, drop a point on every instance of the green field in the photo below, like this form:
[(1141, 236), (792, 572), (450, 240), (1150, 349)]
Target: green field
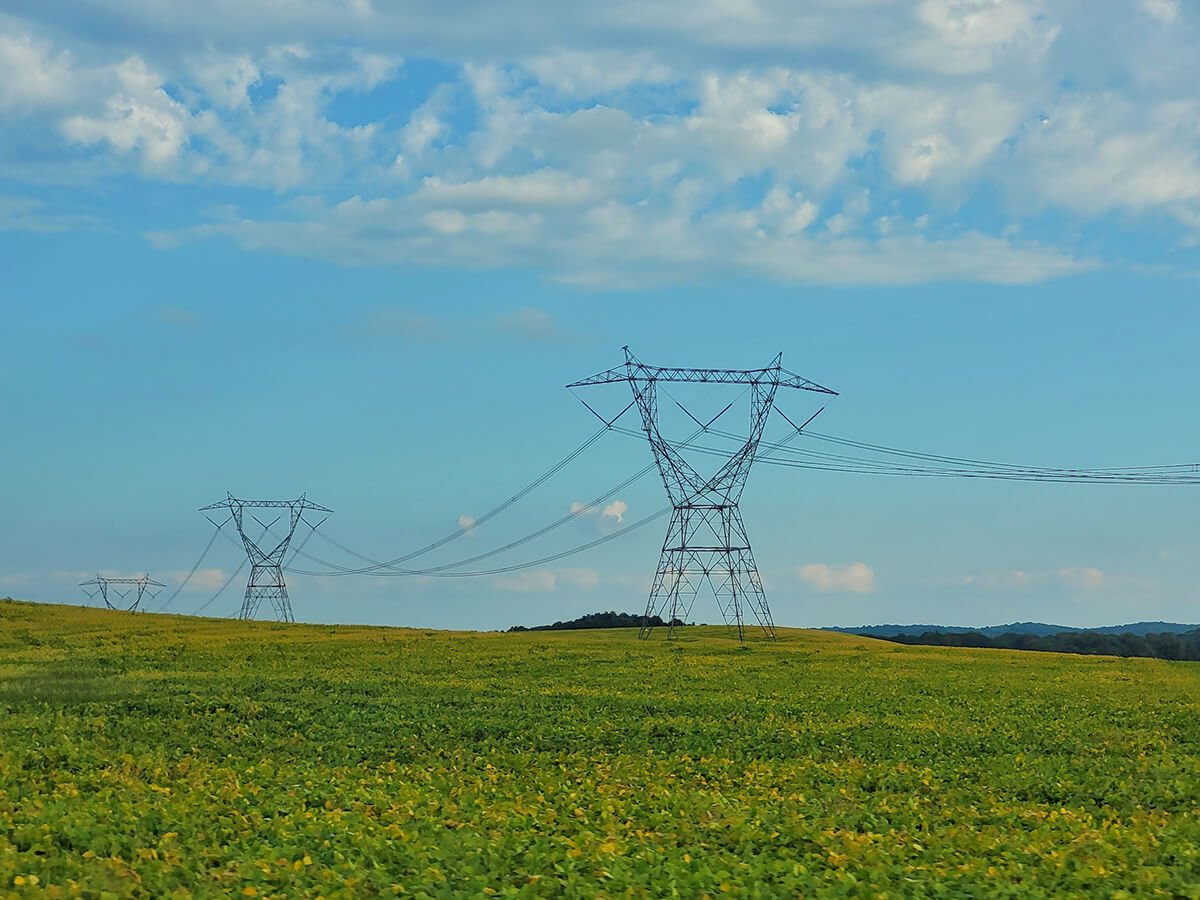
[(149, 755)]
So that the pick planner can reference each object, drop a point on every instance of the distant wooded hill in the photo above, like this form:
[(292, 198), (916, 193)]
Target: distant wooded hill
[(1035, 628), (1160, 640), (1158, 645)]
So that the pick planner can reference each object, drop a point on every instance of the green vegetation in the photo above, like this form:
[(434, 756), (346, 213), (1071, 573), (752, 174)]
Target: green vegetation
[(600, 620), (1154, 645), (150, 755)]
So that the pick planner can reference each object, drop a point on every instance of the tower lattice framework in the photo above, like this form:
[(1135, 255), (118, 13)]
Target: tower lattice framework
[(104, 586), (266, 565), (706, 540)]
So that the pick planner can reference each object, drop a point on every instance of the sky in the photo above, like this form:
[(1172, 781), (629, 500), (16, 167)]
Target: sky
[(357, 249)]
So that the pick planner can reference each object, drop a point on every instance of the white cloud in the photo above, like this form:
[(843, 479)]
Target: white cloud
[(971, 36), (854, 578), (825, 144), (226, 79), (615, 510), (531, 326), (203, 581), (531, 581), (30, 214), (579, 73), (79, 575), (639, 245), (424, 127), (580, 578), (140, 118), (32, 73), (606, 518), (1081, 578), (1107, 152), (542, 188), (544, 581), (467, 524), (1164, 11)]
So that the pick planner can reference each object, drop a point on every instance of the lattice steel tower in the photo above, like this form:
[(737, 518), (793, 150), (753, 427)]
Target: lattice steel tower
[(266, 566), (706, 540), (102, 584)]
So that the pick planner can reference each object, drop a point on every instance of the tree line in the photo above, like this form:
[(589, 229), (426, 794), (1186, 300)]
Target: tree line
[(1159, 645), (600, 620)]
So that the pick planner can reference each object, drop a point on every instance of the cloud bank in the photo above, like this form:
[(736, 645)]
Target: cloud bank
[(947, 140)]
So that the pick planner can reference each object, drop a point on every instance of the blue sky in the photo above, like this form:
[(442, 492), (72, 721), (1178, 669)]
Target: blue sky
[(357, 250)]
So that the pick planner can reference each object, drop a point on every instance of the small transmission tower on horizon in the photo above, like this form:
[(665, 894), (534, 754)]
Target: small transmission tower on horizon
[(266, 566), (706, 540), (102, 583)]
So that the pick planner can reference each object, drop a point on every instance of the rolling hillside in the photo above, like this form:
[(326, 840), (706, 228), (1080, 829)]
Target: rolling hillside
[(143, 755)]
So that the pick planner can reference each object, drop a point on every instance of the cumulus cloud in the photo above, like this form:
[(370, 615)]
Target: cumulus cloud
[(531, 581), (531, 326), (639, 245), (203, 581), (33, 73), (853, 578), (140, 118), (1082, 578), (30, 214), (1164, 11), (544, 581), (580, 578), (675, 144), (606, 518), (616, 511)]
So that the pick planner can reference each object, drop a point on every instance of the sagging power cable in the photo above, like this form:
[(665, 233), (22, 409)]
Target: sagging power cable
[(380, 570), (375, 564), (212, 540), (927, 465)]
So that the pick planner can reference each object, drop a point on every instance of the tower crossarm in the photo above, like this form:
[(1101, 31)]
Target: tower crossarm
[(637, 371), (301, 502), (266, 565), (706, 540), (149, 582)]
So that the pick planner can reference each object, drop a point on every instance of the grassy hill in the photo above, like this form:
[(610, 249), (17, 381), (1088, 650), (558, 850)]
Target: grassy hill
[(143, 755)]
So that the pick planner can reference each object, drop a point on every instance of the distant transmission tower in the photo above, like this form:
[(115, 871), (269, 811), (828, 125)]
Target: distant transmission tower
[(266, 566), (706, 540), (103, 584)]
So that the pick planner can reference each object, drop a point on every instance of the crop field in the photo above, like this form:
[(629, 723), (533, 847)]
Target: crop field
[(150, 755)]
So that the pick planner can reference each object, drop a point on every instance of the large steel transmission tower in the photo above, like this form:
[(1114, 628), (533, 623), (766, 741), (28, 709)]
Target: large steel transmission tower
[(706, 540), (266, 566), (102, 584)]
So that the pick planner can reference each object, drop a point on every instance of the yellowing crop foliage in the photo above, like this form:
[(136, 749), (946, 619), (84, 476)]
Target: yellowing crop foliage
[(146, 755)]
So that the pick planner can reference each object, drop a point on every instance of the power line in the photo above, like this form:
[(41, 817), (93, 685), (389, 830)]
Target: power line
[(380, 570), (375, 564), (1184, 473), (228, 581), (212, 540)]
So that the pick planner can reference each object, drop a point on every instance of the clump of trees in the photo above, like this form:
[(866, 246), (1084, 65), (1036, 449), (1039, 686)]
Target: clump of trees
[(600, 620), (1160, 645)]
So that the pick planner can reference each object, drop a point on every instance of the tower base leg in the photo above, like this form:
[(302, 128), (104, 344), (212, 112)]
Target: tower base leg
[(707, 545), (266, 583)]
